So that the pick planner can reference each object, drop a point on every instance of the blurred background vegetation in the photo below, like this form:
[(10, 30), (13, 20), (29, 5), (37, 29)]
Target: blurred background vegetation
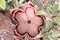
[(49, 8)]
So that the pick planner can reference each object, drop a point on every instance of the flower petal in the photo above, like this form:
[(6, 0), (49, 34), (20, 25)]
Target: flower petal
[(33, 30), (19, 35), (30, 10), (43, 19)]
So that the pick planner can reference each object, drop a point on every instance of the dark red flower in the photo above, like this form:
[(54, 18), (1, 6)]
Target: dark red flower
[(28, 22)]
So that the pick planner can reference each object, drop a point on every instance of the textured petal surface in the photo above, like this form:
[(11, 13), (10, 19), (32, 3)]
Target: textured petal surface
[(28, 21), (30, 13), (21, 17)]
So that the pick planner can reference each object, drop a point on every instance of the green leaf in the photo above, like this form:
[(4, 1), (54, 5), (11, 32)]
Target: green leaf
[(57, 20), (52, 9), (51, 12), (49, 9), (42, 12), (9, 5), (55, 7), (46, 38), (55, 34), (2, 4), (49, 25), (51, 38)]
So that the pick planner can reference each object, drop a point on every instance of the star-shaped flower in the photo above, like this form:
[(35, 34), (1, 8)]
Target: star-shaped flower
[(28, 22)]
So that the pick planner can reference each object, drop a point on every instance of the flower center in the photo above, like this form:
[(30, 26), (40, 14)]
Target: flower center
[(29, 21)]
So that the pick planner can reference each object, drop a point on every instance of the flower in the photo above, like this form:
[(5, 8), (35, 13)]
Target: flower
[(28, 22)]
